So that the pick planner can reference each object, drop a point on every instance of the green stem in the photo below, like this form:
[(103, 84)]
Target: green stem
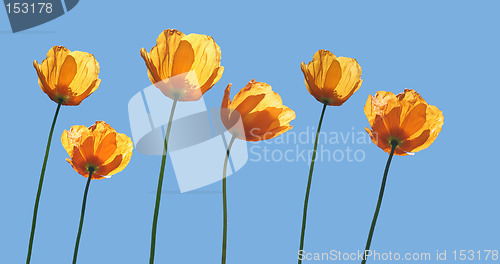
[(309, 181), (224, 202), (160, 185), (40, 184), (379, 203), (82, 215)]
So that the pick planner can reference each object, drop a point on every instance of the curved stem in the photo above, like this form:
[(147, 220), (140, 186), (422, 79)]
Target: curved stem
[(40, 184), (379, 203), (309, 181), (224, 202), (82, 215), (160, 185)]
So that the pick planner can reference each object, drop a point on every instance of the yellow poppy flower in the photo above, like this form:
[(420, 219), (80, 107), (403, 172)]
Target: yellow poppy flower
[(330, 79), (262, 112), (68, 77), (98, 148), (404, 119), (183, 66)]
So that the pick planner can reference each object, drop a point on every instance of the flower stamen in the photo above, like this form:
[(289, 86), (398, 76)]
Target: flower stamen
[(394, 141), (91, 168)]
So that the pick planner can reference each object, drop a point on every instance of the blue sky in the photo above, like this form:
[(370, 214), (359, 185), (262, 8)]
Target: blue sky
[(443, 198)]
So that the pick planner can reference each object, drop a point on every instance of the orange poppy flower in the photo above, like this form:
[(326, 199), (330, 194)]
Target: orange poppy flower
[(68, 77), (330, 79), (404, 119), (183, 66), (261, 110), (98, 148)]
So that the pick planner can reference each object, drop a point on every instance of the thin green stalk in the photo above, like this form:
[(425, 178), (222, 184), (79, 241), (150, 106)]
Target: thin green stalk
[(309, 181), (160, 185), (379, 203), (40, 184), (224, 202), (82, 215)]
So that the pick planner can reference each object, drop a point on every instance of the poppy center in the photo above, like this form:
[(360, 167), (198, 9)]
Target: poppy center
[(394, 141), (61, 98), (91, 168)]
